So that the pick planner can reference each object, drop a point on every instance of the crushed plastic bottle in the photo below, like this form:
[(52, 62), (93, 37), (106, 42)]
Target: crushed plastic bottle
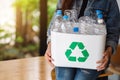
[(86, 25)]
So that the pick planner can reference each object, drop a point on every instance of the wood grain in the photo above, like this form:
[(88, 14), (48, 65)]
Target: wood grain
[(25, 69), (37, 68)]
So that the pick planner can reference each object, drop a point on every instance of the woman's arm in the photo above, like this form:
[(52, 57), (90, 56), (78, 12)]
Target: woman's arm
[(113, 25)]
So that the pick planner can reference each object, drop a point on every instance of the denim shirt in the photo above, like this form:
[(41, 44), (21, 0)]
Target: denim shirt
[(111, 16)]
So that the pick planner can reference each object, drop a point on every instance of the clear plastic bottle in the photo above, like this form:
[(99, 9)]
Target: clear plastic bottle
[(57, 21), (68, 13), (63, 25), (66, 26), (69, 26), (100, 27), (72, 15), (99, 17)]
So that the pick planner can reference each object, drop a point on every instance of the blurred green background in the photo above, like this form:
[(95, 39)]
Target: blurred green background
[(19, 27)]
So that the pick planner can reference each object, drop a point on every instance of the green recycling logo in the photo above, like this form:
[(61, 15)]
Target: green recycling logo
[(81, 47)]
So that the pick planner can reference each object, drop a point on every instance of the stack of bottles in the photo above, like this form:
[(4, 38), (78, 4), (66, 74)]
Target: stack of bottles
[(69, 23)]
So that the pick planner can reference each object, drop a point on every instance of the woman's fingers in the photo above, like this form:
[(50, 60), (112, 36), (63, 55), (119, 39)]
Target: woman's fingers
[(102, 66), (49, 58), (50, 62), (100, 69), (103, 62)]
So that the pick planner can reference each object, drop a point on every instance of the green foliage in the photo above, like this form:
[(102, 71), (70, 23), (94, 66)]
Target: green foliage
[(7, 53), (11, 52), (30, 5), (2, 30), (4, 33), (19, 39), (31, 48), (33, 8), (30, 9)]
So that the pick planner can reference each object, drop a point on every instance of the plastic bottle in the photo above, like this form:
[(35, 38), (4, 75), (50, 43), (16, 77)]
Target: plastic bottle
[(100, 19), (68, 13), (57, 21), (100, 26), (72, 15), (66, 26), (63, 25), (86, 25)]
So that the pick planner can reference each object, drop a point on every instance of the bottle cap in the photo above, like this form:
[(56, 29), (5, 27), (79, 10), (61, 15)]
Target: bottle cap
[(100, 16), (76, 29), (59, 12), (98, 12), (65, 17)]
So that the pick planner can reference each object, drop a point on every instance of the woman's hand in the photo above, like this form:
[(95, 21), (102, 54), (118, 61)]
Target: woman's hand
[(48, 55), (106, 56)]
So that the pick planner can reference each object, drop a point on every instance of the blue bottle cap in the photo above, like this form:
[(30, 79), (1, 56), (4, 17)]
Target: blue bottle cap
[(100, 16), (76, 29), (65, 17), (98, 12), (59, 12)]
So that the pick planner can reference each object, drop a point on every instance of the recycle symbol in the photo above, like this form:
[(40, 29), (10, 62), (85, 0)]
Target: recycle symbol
[(81, 47)]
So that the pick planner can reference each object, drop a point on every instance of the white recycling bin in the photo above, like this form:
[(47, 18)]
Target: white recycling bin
[(75, 50)]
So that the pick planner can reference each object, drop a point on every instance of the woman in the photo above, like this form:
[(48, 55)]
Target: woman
[(87, 8)]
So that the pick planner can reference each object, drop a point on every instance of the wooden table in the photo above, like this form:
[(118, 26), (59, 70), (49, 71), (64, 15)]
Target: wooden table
[(35, 68)]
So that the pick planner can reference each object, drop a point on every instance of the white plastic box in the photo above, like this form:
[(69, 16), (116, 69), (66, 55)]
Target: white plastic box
[(78, 51)]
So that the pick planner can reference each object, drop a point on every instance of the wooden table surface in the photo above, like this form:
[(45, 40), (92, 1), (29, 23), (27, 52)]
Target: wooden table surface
[(35, 68)]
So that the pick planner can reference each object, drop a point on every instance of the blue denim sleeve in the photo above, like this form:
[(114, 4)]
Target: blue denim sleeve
[(113, 25), (52, 21)]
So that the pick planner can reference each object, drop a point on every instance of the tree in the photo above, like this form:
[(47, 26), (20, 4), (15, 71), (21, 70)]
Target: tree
[(25, 10), (25, 20)]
